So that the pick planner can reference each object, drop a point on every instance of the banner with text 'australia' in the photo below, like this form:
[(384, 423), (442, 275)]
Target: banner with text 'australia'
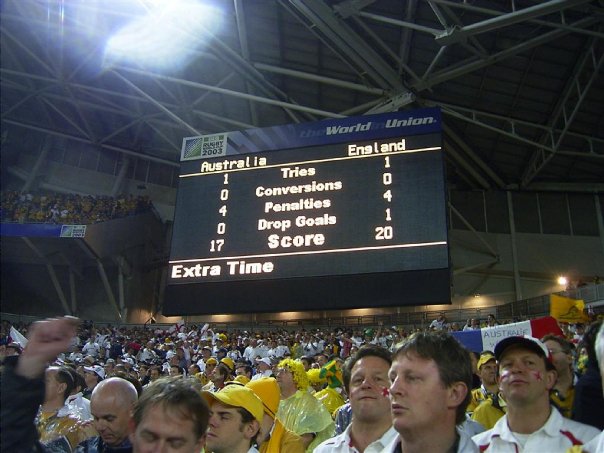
[(485, 339)]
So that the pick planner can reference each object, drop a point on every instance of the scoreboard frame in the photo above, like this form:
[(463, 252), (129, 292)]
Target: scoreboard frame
[(334, 214)]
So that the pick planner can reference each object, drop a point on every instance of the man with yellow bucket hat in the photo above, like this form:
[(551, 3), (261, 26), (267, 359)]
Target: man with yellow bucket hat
[(235, 417), (274, 437)]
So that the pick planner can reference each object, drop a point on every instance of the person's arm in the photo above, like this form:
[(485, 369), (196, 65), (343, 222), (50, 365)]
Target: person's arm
[(47, 339), (23, 383)]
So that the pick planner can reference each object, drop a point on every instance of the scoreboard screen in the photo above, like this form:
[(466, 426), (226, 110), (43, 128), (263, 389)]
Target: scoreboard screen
[(328, 215)]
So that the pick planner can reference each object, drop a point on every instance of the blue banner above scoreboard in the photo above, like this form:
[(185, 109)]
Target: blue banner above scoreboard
[(369, 127), (43, 230)]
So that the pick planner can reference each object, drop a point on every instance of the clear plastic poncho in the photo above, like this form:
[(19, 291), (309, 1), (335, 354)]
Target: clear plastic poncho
[(302, 413)]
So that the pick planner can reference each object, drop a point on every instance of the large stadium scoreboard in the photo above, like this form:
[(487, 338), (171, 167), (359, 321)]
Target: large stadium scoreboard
[(334, 214)]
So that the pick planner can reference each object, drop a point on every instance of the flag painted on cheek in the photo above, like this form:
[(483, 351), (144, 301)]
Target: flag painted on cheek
[(505, 375), (486, 339)]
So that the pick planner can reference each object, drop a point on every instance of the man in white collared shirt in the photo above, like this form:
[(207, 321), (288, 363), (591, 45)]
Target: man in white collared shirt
[(366, 382), (430, 376), (526, 376)]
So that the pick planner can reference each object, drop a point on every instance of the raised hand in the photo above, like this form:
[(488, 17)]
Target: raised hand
[(47, 339)]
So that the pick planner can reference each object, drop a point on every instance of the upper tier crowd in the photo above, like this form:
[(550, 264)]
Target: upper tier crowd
[(79, 387), (61, 208)]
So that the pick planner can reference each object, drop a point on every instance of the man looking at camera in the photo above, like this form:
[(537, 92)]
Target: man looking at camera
[(366, 382), (526, 376)]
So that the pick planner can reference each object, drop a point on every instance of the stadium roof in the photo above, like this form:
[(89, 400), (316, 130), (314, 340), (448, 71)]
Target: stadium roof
[(519, 82)]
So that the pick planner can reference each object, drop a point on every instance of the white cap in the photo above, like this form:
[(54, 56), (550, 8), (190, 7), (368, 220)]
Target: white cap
[(96, 369), (265, 360)]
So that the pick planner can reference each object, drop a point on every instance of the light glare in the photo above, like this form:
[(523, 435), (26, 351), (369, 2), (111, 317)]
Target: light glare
[(562, 280), (165, 37)]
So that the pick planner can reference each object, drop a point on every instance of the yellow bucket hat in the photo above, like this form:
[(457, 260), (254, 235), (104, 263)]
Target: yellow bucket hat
[(237, 396)]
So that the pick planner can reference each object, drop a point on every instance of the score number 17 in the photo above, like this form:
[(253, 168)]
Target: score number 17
[(386, 232)]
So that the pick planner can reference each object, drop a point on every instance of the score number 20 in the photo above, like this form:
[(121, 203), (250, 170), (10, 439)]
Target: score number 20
[(386, 232)]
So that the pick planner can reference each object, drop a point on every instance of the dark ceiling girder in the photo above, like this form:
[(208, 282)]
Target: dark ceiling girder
[(586, 71), (84, 140), (458, 34), (345, 43), (234, 93), (251, 75), (457, 139), (333, 22), (473, 64), (466, 6), (486, 120)]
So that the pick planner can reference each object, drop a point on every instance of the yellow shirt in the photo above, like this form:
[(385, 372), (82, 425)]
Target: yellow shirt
[(564, 404), (478, 396), (487, 414)]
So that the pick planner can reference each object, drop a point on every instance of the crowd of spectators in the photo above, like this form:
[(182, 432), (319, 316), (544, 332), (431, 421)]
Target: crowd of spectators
[(62, 208), (304, 363)]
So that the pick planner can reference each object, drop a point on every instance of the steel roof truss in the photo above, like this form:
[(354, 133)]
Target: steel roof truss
[(238, 94), (55, 133), (174, 146), (31, 54), (156, 103), (51, 273), (513, 133), (63, 115), (405, 46), (121, 129), (474, 116), (250, 74), (586, 71), (83, 118), (471, 39), (386, 49), (457, 34), (473, 64), (561, 25), (472, 44), (453, 135), (453, 153), (320, 79), (322, 20), (7, 53), (32, 94), (245, 53)]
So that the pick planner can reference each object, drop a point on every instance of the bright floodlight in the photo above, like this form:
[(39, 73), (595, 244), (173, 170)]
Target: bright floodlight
[(166, 36), (562, 280)]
